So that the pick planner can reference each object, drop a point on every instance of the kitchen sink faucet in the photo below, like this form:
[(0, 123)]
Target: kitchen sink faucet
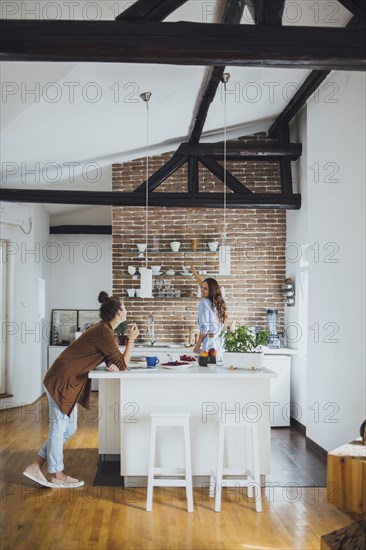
[(151, 328)]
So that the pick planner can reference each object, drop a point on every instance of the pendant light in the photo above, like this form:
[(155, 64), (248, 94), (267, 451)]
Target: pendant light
[(224, 248), (146, 272)]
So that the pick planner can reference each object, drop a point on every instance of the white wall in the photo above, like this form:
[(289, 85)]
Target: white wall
[(297, 269), (91, 215), (82, 268), (24, 335), (75, 268), (334, 215)]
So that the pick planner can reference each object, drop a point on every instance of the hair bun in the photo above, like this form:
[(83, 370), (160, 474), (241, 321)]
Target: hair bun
[(103, 296)]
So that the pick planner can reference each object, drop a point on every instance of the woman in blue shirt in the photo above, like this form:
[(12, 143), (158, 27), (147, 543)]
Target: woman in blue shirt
[(212, 315)]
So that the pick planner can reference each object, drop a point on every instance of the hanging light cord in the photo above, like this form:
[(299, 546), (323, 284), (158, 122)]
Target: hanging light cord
[(147, 180), (225, 224)]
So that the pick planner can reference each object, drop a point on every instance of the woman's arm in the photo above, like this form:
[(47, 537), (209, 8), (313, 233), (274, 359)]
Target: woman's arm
[(201, 337), (198, 278), (121, 362), (132, 335)]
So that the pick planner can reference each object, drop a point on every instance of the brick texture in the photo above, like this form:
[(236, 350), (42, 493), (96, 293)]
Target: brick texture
[(257, 238)]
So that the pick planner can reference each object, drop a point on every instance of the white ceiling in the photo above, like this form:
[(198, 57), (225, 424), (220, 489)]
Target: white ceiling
[(85, 116)]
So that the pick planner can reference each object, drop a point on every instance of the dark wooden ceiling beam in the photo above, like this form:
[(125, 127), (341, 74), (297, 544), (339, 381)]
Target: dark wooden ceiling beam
[(186, 200), (211, 84), (232, 15), (81, 230), (243, 151), (193, 177), (219, 171), (306, 90), (183, 44), (163, 173), (356, 7), (309, 86), (266, 12), (150, 10)]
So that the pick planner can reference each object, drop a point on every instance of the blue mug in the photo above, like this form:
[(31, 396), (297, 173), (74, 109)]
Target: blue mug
[(152, 362)]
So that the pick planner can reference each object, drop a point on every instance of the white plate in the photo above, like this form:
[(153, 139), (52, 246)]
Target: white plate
[(176, 367), (137, 365), (184, 273)]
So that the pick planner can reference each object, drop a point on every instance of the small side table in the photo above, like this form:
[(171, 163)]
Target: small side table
[(346, 477)]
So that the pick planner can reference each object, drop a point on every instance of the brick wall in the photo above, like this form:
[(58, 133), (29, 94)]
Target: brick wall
[(257, 238)]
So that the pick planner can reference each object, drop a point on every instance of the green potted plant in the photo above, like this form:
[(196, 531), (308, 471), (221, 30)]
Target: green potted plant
[(243, 347), (119, 332)]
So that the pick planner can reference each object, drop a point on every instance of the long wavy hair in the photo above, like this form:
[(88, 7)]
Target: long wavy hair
[(217, 299)]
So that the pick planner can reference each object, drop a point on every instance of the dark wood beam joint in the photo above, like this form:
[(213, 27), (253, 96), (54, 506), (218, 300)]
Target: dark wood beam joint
[(309, 86), (150, 10), (356, 7), (286, 175), (219, 171), (266, 12), (193, 184), (162, 173), (232, 15)]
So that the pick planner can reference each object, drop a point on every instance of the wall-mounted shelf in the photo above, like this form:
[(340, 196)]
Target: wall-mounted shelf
[(169, 253), (127, 298), (136, 277)]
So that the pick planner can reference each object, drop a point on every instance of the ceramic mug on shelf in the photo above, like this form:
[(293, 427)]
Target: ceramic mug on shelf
[(141, 247), (213, 246), (131, 270), (175, 246), (131, 292)]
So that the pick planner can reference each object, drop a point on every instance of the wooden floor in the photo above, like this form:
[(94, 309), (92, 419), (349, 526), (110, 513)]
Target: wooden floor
[(111, 518)]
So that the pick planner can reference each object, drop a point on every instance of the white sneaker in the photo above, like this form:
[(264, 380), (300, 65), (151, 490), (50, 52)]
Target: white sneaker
[(38, 477), (70, 482)]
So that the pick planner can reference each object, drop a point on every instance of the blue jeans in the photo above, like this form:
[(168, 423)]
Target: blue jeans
[(62, 427)]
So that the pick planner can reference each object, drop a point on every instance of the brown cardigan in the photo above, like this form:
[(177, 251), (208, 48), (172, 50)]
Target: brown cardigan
[(67, 379)]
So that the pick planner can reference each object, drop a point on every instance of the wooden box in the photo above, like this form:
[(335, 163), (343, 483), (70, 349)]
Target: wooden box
[(346, 478)]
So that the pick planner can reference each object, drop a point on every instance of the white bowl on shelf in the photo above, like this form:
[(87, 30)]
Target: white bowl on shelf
[(175, 246), (156, 269)]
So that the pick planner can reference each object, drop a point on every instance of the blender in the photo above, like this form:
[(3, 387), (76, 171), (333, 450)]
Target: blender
[(272, 322)]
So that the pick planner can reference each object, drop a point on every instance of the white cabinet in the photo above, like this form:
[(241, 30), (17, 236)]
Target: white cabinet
[(280, 388)]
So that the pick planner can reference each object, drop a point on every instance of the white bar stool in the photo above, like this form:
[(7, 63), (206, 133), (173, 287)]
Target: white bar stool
[(170, 416), (251, 471)]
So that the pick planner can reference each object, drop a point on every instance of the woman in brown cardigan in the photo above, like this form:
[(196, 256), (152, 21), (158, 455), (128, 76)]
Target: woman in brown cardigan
[(67, 383)]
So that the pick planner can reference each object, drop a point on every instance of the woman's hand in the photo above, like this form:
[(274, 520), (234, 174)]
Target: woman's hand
[(201, 337), (133, 333), (193, 270), (112, 368)]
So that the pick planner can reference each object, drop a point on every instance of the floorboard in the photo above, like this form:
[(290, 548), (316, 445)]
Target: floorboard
[(103, 517)]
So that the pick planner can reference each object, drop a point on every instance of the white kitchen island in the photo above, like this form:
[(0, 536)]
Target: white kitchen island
[(126, 399)]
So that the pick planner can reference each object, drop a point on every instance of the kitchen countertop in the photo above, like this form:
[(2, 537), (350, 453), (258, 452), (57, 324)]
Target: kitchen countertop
[(191, 372), (182, 349)]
